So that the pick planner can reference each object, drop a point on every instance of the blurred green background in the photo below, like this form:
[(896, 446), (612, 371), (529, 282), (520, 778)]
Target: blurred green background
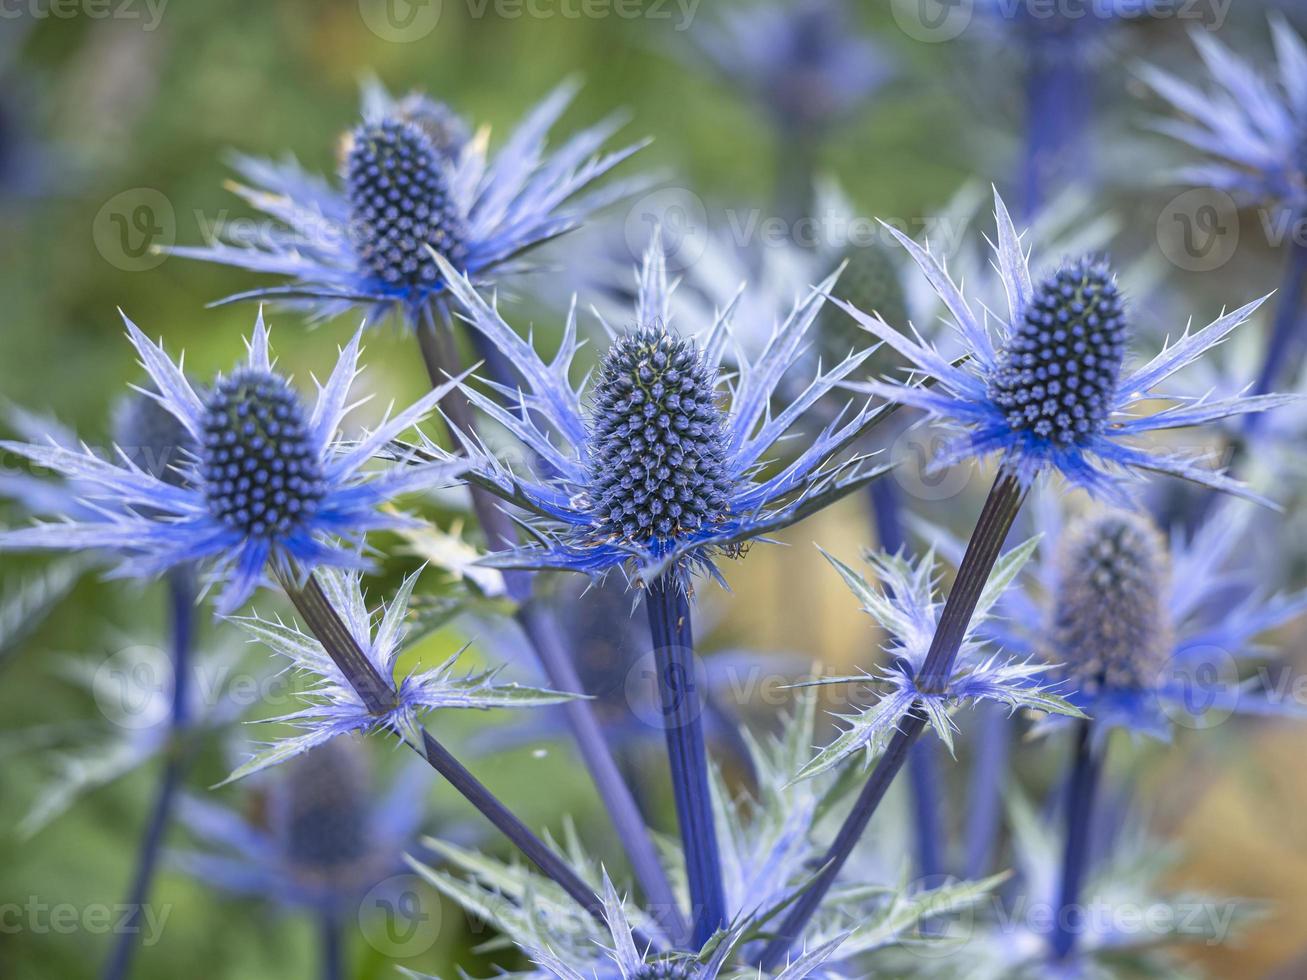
[(125, 113)]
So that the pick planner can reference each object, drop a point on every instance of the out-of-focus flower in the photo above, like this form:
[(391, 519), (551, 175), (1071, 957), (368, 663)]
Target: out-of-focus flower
[(1250, 126), (1143, 632), (804, 62)]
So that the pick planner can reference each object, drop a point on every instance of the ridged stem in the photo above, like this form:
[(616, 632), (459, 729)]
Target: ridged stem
[(1082, 789), (923, 775), (541, 631), (985, 788), (181, 608), (1000, 510), (672, 633), (378, 694)]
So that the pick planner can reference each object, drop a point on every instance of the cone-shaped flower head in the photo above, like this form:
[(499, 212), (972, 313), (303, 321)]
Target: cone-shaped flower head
[(1048, 389), (267, 480), (1144, 631), (412, 182), (668, 465), (657, 441), (320, 809), (400, 204), (1110, 622), (1061, 363)]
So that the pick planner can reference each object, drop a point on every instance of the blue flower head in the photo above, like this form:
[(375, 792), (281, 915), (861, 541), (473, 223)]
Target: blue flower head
[(414, 182), (1050, 389), (324, 840), (268, 479), (1144, 631), (1250, 126), (804, 61), (663, 470)]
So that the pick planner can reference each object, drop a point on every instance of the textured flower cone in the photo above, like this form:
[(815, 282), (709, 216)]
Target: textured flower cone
[(322, 809), (659, 474), (400, 206)]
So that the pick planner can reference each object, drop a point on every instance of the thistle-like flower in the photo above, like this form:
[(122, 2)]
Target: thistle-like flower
[(803, 62), (659, 474), (412, 184), (325, 840), (905, 607), (1051, 391), (1145, 632), (270, 481), (1250, 126), (334, 707)]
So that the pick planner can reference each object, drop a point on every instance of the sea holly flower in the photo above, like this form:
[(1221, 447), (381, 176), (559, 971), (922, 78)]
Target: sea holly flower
[(1145, 632), (659, 474), (1048, 389), (805, 62), (413, 184), (1249, 125), (905, 606), (334, 707), (317, 840), (271, 482), (1251, 129)]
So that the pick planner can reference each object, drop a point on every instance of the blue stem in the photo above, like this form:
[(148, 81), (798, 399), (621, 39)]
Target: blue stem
[(923, 777), (1286, 332), (1000, 510), (378, 694), (985, 791), (441, 359), (1058, 110), (181, 606), (1087, 768), (331, 941), (682, 702)]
